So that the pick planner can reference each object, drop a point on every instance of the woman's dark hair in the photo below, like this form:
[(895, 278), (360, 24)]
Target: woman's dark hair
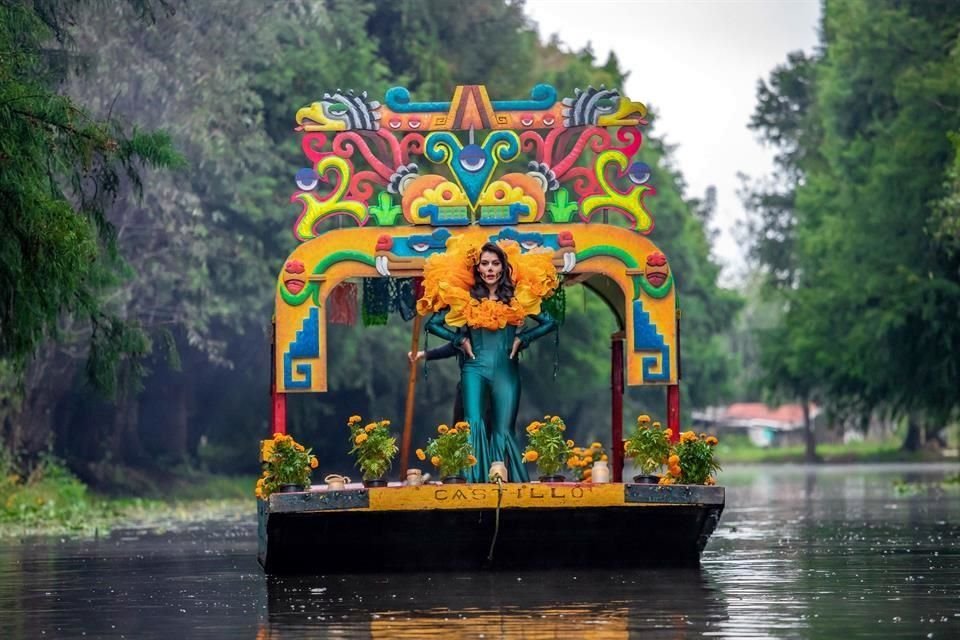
[(504, 288)]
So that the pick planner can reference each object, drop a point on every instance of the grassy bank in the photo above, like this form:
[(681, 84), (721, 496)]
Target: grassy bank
[(734, 449), (53, 502)]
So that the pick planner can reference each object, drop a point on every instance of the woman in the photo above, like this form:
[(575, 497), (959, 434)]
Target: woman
[(485, 324)]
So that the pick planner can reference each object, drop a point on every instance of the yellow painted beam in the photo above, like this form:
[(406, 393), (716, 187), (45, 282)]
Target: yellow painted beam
[(484, 496)]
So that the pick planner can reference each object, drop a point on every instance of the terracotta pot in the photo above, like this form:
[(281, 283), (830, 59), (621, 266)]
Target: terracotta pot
[(646, 479), (454, 480)]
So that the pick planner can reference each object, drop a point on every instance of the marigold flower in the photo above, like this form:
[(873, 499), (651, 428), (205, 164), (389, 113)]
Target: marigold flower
[(442, 429), (688, 436), (643, 419), (667, 432), (278, 436), (354, 420), (360, 439), (588, 458), (298, 446), (666, 480), (656, 425), (531, 456), (573, 461), (314, 463), (603, 457), (385, 423), (370, 427), (452, 432), (675, 471), (546, 417), (710, 481), (461, 425), (554, 419), (673, 460), (471, 460), (569, 444), (421, 455), (435, 461), (596, 445), (712, 441)]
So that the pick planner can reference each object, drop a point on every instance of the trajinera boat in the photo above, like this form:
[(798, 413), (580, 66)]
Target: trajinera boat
[(423, 185)]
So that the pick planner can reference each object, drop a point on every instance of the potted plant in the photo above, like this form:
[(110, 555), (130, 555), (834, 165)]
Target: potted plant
[(649, 448), (582, 459), (450, 452), (548, 448), (287, 466), (692, 460), (374, 448)]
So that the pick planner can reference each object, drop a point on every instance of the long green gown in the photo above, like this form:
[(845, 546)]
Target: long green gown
[(492, 371)]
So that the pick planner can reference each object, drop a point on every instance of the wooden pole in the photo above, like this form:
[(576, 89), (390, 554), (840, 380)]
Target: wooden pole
[(616, 404), (411, 398)]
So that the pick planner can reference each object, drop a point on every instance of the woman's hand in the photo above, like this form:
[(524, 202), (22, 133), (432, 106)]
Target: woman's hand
[(420, 356), (467, 348), (517, 344)]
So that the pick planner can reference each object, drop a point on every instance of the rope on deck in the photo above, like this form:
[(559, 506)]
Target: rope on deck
[(496, 521)]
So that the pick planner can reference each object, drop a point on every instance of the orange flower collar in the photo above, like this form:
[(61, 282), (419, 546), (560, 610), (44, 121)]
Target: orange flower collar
[(448, 277)]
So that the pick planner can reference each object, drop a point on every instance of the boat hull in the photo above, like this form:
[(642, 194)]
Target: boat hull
[(443, 527)]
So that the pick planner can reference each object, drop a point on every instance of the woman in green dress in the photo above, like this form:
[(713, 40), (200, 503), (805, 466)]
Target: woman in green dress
[(489, 365)]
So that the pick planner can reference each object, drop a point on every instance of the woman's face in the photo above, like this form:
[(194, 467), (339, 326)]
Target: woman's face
[(490, 268)]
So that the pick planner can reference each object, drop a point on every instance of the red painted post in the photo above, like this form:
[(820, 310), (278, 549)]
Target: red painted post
[(673, 392), (278, 401), (673, 411), (616, 404)]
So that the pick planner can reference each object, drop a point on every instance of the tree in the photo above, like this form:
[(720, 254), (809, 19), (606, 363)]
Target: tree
[(871, 285), (62, 170)]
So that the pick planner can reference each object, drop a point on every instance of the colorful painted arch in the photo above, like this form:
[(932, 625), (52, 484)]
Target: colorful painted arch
[(625, 268)]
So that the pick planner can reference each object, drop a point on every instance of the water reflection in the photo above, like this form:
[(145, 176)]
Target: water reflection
[(801, 552), (532, 605)]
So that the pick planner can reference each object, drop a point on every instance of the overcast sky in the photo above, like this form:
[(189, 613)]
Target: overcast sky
[(697, 62)]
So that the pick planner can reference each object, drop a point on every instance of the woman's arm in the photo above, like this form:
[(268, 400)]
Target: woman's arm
[(438, 327), (545, 324), (439, 353)]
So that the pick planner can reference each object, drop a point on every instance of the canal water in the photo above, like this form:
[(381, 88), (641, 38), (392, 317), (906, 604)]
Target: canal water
[(800, 552)]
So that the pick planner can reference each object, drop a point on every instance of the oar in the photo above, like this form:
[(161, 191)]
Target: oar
[(411, 397)]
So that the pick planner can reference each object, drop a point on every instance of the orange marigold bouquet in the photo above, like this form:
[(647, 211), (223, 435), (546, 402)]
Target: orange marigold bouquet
[(373, 445), (450, 452), (691, 460), (286, 461), (648, 446), (547, 445)]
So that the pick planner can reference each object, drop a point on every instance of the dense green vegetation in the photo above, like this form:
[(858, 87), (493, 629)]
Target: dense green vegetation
[(134, 336), (856, 235)]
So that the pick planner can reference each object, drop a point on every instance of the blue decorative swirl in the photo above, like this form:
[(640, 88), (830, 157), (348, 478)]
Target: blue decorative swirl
[(441, 146), (544, 96), (397, 100), (502, 145)]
